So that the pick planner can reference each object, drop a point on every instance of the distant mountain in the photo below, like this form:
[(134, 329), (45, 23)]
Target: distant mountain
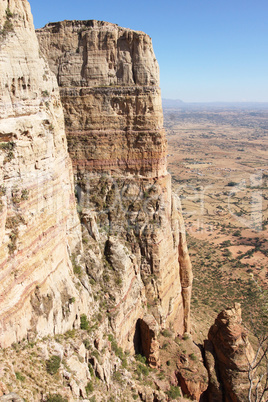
[(179, 104), (172, 103)]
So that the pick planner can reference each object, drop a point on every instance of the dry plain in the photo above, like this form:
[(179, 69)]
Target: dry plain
[(218, 159)]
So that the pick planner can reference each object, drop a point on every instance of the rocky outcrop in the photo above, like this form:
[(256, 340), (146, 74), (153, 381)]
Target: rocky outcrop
[(39, 225), (214, 392), (11, 397), (191, 374), (233, 353), (109, 87), (149, 342), (109, 82)]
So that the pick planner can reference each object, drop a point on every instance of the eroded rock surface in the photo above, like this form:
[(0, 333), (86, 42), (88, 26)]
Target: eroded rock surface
[(233, 353), (109, 80), (109, 87), (38, 219)]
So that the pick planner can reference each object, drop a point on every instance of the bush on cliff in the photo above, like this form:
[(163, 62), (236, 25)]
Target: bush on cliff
[(53, 364), (84, 324), (55, 398)]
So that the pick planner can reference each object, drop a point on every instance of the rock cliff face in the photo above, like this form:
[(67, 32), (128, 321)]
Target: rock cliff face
[(233, 353), (135, 243), (109, 82), (38, 219)]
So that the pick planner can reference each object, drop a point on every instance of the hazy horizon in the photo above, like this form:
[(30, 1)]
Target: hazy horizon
[(207, 52)]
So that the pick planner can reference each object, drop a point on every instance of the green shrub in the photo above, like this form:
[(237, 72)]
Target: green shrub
[(226, 243), (232, 184), (55, 398), (53, 364), (174, 392), (140, 358), (117, 376), (76, 267), (117, 350), (84, 324), (110, 337), (8, 27), (2, 190), (124, 363), (24, 194), (91, 370), (118, 281), (7, 146), (86, 342), (45, 93), (141, 369), (8, 13), (70, 333), (192, 356), (237, 233), (166, 333), (19, 376), (89, 387)]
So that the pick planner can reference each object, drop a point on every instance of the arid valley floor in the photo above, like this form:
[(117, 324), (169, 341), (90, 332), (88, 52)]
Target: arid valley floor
[(219, 165)]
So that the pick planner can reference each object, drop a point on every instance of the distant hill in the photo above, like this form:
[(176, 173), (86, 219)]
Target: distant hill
[(179, 104), (172, 103)]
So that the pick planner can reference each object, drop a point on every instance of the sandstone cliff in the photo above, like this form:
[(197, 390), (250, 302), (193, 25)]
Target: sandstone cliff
[(109, 87), (109, 80), (133, 273), (233, 354), (38, 219)]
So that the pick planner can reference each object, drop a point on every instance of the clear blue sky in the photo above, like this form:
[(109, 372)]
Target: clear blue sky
[(208, 50)]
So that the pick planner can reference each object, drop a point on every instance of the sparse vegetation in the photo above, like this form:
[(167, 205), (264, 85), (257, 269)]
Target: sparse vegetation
[(76, 267), (174, 392), (89, 387), (193, 356), (45, 94), (53, 364), (223, 229), (56, 398), (167, 333), (8, 25), (140, 358), (142, 370), (19, 376), (84, 324)]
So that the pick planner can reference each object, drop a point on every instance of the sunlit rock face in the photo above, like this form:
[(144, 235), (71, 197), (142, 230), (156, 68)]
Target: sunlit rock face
[(109, 80), (39, 225), (233, 353), (109, 86)]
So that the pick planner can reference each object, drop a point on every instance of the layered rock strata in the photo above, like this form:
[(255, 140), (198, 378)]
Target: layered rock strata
[(233, 355), (109, 87), (39, 225), (109, 82)]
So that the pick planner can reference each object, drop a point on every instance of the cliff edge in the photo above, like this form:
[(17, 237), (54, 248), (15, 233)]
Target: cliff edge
[(39, 225), (109, 87)]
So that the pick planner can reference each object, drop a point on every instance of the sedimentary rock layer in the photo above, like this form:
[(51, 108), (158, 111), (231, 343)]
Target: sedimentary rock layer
[(38, 219), (233, 353), (109, 82), (109, 86)]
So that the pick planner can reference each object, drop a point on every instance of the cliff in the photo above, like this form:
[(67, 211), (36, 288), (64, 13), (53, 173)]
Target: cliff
[(109, 269), (39, 225), (109, 87), (233, 354)]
